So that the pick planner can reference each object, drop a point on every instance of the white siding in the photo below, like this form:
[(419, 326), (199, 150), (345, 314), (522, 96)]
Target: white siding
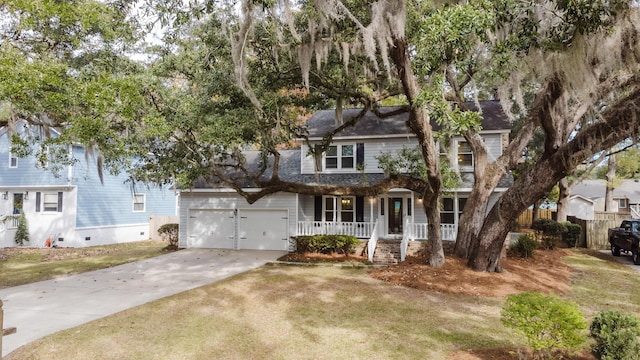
[(376, 147), (372, 149)]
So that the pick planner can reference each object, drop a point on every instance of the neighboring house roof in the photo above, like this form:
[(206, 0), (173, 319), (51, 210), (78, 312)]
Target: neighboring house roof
[(595, 189), (290, 171), (323, 121)]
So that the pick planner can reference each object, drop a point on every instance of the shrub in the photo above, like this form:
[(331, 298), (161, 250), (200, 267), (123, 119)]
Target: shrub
[(550, 231), (547, 322), (169, 232), (525, 245), (326, 244), (572, 235), (616, 336), (22, 233)]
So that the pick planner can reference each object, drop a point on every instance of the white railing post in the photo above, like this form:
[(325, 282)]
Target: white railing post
[(373, 241), (406, 235)]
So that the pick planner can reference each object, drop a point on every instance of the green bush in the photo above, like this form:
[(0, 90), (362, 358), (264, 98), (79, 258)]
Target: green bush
[(547, 322), (326, 244), (525, 245), (573, 233), (22, 233), (169, 232), (616, 335), (549, 230)]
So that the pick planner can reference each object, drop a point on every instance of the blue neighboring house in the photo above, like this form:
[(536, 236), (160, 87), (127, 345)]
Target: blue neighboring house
[(72, 207)]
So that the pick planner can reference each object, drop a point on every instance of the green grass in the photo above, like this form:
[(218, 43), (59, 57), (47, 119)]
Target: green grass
[(320, 312), (26, 265)]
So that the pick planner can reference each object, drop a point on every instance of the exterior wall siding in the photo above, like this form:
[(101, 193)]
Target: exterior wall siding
[(102, 212), (228, 200), (111, 203), (376, 147)]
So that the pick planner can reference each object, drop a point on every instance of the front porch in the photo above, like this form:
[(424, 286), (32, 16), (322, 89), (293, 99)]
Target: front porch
[(370, 231)]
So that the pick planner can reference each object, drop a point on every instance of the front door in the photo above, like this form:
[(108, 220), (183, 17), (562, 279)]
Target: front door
[(395, 216)]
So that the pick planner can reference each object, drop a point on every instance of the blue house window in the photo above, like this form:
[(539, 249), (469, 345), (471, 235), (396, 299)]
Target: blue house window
[(139, 202), (13, 160)]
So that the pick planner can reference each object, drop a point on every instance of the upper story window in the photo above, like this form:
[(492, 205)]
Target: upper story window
[(139, 202), (465, 155), (13, 160), (340, 157)]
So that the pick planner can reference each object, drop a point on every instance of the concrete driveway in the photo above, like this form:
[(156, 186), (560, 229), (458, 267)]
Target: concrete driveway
[(624, 258), (45, 307)]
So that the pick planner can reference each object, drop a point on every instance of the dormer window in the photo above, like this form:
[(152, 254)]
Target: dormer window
[(340, 157)]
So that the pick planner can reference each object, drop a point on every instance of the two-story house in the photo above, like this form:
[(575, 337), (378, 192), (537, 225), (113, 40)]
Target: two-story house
[(217, 217), (71, 206)]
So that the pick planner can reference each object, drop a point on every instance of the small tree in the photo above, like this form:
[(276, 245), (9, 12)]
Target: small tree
[(22, 234), (169, 232), (547, 322), (616, 335)]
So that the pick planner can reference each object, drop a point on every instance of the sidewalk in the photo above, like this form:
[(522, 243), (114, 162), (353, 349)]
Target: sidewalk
[(45, 307)]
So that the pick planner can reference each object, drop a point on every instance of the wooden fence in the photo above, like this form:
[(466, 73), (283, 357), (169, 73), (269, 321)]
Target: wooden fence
[(526, 218), (156, 221), (595, 232)]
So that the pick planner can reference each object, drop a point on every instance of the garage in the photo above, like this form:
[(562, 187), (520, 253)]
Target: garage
[(257, 229), (211, 228), (263, 229)]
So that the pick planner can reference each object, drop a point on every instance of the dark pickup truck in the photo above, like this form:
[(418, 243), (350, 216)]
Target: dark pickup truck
[(626, 238)]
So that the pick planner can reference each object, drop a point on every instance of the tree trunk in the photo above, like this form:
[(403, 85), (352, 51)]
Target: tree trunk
[(563, 199), (612, 165), (420, 124), (527, 189), (620, 121)]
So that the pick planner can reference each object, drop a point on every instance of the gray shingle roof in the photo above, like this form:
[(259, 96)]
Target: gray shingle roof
[(323, 121), (595, 189)]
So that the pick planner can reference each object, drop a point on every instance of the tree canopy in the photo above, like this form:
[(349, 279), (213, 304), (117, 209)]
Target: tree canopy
[(244, 75)]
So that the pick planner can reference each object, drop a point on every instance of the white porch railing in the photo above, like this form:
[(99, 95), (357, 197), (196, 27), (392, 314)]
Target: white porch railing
[(635, 211), (364, 230), (372, 243), (357, 229)]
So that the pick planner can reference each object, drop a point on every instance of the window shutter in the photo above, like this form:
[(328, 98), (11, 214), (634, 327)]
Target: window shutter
[(360, 155), (359, 209), (317, 209), (409, 207), (59, 201), (38, 194)]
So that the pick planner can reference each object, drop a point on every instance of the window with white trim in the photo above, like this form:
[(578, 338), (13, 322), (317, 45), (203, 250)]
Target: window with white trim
[(337, 208), (622, 203), (451, 211), (347, 209), (340, 157), (13, 160), (139, 202), (465, 155), (50, 202)]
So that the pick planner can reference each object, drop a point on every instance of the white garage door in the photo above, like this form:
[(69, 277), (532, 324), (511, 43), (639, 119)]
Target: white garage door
[(211, 228), (262, 229)]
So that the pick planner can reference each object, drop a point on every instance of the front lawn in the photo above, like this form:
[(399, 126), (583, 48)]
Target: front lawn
[(323, 312), (26, 265)]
